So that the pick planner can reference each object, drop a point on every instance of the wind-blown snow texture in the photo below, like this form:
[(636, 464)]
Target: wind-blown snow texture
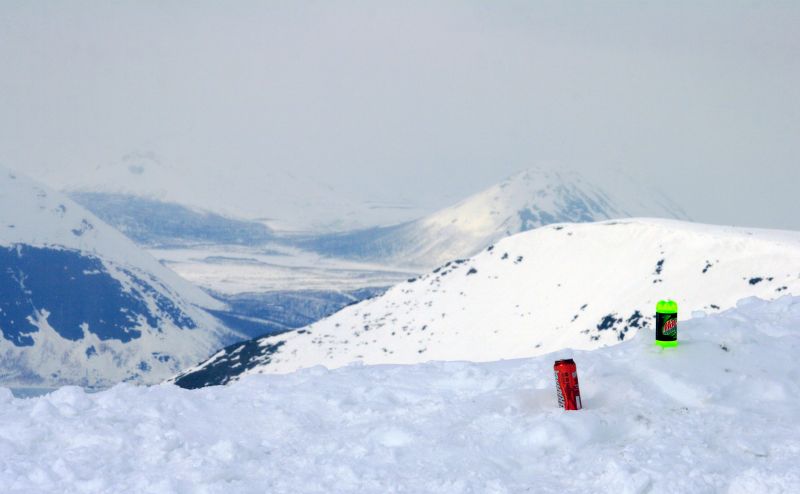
[(525, 201), (81, 304), (570, 285), (717, 414)]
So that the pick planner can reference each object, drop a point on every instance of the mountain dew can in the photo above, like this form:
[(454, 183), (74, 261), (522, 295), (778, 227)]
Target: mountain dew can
[(667, 323)]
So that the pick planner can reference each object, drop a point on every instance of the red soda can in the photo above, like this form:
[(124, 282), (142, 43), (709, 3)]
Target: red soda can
[(569, 395)]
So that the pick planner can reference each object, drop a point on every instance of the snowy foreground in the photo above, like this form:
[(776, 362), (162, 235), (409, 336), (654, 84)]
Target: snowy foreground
[(717, 414)]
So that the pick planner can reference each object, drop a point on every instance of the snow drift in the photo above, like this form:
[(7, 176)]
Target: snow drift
[(717, 414)]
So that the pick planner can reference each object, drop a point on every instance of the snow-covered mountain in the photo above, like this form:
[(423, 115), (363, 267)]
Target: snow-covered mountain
[(527, 200), (562, 286), (270, 196), (717, 414), (81, 304), (154, 223)]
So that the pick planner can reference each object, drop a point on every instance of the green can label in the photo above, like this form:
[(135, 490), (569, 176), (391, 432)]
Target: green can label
[(667, 321)]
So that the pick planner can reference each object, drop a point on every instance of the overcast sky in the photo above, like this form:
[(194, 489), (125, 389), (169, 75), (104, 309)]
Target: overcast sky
[(426, 101)]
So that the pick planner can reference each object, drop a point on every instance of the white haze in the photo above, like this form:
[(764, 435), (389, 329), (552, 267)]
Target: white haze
[(418, 103)]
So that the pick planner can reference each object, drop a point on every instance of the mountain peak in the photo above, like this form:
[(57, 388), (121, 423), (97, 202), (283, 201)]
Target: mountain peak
[(138, 163), (528, 199)]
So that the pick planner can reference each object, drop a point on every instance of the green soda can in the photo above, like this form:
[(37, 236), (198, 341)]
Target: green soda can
[(667, 323)]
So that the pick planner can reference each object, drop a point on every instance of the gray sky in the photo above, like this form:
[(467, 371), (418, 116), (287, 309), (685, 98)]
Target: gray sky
[(426, 101)]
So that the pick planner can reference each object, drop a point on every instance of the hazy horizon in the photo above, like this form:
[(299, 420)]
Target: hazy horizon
[(415, 103)]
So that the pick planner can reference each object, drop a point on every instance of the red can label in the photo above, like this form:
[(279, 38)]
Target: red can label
[(569, 394)]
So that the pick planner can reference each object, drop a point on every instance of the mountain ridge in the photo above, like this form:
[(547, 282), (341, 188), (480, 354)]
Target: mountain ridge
[(526, 200), (81, 304), (561, 286), (276, 198)]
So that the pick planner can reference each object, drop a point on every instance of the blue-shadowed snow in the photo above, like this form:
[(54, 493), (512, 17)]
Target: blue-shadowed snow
[(81, 304), (156, 223), (717, 414)]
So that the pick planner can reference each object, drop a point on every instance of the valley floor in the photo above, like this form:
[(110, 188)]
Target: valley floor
[(231, 269), (717, 414)]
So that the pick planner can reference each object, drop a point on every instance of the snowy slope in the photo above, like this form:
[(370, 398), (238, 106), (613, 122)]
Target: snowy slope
[(80, 303), (717, 414), (154, 223), (561, 286), (527, 200), (279, 198)]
